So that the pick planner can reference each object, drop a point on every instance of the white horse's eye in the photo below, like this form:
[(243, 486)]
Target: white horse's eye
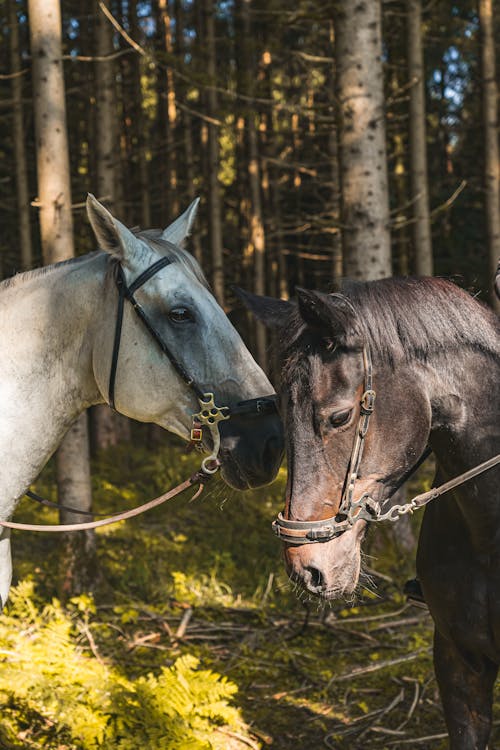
[(180, 315)]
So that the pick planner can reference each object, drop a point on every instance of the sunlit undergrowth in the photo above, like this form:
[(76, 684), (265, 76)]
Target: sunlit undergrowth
[(194, 638), (48, 679)]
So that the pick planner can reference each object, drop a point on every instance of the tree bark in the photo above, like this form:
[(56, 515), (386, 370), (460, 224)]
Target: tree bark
[(171, 111), (187, 137), (78, 562), (362, 147), (257, 240), (422, 237), (103, 423), (22, 186), (333, 208), (191, 188), (214, 200), (140, 133), (490, 129), (56, 231)]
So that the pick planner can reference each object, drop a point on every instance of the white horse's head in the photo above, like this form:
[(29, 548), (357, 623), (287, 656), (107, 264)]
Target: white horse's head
[(182, 309)]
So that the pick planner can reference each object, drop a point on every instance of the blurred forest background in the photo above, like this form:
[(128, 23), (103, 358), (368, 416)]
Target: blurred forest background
[(325, 139), (239, 102)]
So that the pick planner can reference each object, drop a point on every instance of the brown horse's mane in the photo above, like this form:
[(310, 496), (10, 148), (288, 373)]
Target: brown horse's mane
[(401, 318)]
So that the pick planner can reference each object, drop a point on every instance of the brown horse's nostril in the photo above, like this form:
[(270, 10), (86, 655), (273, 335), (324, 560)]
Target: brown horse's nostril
[(313, 578)]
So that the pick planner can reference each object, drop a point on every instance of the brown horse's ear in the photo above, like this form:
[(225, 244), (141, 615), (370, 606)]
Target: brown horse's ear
[(315, 308), (273, 312), (332, 315)]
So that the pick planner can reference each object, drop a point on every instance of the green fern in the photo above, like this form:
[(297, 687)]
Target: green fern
[(46, 673)]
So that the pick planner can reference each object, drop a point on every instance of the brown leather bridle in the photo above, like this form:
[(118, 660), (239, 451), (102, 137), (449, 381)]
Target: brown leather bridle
[(366, 508)]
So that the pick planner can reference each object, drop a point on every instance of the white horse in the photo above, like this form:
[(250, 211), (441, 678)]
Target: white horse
[(57, 328)]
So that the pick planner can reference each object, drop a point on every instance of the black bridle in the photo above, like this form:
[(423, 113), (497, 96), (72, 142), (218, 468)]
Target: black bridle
[(366, 508), (210, 414)]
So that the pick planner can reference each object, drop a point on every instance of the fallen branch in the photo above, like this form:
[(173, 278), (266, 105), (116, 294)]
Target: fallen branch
[(378, 665), (419, 740), (240, 737), (181, 630)]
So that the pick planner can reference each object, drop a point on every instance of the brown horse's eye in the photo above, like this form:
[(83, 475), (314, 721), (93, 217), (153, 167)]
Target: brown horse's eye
[(340, 418), (180, 315)]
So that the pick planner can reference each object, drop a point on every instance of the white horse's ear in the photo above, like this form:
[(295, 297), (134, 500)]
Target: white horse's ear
[(112, 236), (180, 229)]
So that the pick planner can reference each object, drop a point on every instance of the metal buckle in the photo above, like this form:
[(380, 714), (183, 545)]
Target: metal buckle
[(209, 413), (323, 534), (196, 432), (368, 402)]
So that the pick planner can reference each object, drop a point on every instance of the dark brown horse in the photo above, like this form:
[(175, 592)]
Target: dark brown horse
[(435, 353)]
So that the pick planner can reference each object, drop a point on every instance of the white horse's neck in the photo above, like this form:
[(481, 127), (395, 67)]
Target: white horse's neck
[(47, 326)]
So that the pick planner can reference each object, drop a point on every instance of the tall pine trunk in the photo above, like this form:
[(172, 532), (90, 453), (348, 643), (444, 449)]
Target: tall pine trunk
[(22, 187), (170, 110), (214, 198), (333, 206), (139, 124), (103, 421), (422, 239), (362, 147), (56, 231), (189, 191), (257, 240), (490, 129)]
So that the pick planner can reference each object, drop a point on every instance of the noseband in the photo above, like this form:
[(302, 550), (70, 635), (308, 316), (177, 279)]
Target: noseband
[(366, 508), (210, 414)]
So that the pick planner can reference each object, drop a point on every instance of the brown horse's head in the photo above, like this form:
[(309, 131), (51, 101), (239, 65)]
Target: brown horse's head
[(322, 381)]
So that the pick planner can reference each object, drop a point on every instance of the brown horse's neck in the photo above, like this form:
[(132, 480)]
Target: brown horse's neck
[(466, 425)]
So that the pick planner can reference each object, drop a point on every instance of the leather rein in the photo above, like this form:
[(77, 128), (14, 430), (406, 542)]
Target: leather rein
[(209, 415), (366, 508)]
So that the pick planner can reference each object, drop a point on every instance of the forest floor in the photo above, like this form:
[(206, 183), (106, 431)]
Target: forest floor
[(206, 579)]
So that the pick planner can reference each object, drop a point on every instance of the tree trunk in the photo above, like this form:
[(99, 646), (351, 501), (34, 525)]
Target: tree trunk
[(56, 231), (171, 111), (490, 126), (333, 155), (79, 561), (214, 201), (22, 187), (191, 185), (362, 147), (422, 237), (139, 125), (187, 138), (103, 423), (256, 238)]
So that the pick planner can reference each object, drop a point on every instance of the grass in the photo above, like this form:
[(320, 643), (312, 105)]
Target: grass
[(205, 581)]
